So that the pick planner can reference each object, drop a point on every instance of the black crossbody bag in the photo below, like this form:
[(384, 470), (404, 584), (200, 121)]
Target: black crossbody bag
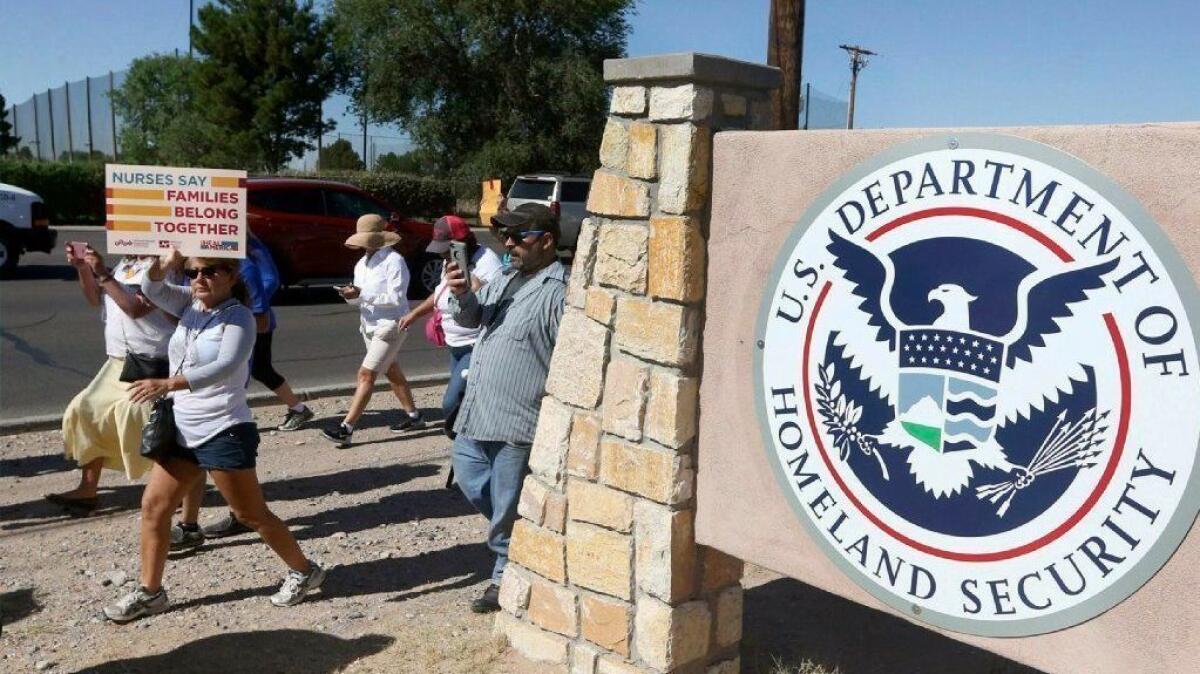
[(158, 435)]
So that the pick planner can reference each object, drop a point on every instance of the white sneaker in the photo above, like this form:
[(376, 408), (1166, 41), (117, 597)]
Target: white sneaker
[(297, 585), (137, 604)]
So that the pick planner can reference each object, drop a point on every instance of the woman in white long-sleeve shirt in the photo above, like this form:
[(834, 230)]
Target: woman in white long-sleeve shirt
[(380, 291), (210, 361)]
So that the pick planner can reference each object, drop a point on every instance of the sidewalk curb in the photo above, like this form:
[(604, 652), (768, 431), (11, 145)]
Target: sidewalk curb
[(48, 422)]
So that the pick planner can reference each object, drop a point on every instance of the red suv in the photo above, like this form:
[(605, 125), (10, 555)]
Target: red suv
[(305, 224)]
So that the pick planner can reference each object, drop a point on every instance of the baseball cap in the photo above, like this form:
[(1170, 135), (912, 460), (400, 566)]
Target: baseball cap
[(529, 216), (448, 228)]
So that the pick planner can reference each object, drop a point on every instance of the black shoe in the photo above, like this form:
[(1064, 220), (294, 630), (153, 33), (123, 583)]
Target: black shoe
[(185, 539), (340, 435), (294, 420), (226, 526), (410, 422), (489, 601)]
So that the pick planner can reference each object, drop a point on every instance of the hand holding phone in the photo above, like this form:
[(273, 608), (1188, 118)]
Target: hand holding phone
[(76, 250), (458, 253)]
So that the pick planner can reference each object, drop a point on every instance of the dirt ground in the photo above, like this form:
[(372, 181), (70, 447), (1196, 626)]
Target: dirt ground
[(405, 557)]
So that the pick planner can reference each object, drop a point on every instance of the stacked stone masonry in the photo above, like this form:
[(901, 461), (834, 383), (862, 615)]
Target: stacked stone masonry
[(605, 575)]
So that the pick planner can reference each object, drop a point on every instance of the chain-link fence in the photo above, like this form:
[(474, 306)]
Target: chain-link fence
[(819, 110), (374, 151), (74, 121)]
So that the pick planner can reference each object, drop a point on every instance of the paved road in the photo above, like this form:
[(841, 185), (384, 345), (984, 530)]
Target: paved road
[(52, 342)]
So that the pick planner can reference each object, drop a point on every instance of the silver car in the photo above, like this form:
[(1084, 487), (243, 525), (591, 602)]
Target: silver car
[(563, 194)]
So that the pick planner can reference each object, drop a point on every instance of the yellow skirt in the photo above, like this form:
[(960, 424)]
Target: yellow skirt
[(102, 423)]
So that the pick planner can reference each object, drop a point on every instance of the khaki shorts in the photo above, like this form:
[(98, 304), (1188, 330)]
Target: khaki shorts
[(382, 346)]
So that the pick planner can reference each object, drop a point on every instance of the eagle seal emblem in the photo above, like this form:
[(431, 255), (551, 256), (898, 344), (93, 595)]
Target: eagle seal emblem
[(971, 352)]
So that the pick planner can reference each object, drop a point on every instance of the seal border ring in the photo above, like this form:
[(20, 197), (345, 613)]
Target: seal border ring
[(1176, 529)]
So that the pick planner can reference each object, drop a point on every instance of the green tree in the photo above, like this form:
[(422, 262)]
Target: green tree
[(413, 162), (7, 140), (160, 122), (266, 67), (340, 156), (485, 87)]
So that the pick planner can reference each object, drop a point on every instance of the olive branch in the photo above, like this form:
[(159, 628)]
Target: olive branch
[(840, 416)]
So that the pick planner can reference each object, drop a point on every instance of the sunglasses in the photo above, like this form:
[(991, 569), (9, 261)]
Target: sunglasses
[(206, 272), (516, 233)]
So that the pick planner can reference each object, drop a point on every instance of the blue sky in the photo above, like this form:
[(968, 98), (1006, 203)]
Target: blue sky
[(941, 63)]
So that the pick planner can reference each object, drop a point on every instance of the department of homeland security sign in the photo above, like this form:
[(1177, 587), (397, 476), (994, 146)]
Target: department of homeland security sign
[(151, 209), (977, 384)]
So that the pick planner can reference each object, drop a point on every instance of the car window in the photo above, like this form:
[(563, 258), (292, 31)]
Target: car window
[(288, 201), (352, 205), (532, 189), (574, 191)]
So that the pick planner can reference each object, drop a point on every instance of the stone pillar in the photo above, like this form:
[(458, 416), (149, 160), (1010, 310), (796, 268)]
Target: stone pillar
[(605, 575)]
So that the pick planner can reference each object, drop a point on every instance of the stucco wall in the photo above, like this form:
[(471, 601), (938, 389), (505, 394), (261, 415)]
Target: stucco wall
[(763, 182)]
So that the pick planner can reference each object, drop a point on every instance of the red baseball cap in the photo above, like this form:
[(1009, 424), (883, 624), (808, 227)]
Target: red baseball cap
[(448, 228)]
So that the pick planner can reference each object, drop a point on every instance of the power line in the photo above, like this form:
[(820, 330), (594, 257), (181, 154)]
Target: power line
[(858, 61)]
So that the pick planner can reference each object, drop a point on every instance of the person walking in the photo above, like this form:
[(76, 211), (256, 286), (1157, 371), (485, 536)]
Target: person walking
[(261, 278), (485, 266), (380, 291), (101, 427), (215, 431), (518, 316)]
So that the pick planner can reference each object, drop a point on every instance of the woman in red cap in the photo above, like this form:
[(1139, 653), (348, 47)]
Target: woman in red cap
[(484, 266)]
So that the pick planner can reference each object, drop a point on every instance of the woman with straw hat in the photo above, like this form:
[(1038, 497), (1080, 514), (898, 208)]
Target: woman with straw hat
[(380, 291)]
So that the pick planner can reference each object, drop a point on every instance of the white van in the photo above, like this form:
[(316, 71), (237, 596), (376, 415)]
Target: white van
[(24, 226), (565, 196)]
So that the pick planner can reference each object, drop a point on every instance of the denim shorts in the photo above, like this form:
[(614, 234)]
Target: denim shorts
[(235, 448)]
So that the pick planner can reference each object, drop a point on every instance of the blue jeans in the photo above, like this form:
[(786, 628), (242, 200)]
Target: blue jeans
[(490, 474), (460, 359)]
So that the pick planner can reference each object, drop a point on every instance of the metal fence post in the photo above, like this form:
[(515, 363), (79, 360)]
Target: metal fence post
[(87, 92), (112, 111), (70, 134), (50, 107), (37, 130)]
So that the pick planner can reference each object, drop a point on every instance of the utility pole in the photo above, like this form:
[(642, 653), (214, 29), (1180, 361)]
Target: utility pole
[(191, 16), (858, 61), (785, 49)]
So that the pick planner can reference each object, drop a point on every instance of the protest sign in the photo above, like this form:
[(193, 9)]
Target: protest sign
[(151, 209)]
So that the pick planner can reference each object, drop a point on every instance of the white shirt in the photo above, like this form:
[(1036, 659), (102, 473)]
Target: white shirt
[(485, 266), (211, 349), (145, 336), (382, 280)]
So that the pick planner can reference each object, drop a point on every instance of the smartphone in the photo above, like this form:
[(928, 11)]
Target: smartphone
[(458, 253), (78, 249)]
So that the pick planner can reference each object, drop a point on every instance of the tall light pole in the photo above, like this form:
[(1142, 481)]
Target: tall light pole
[(858, 61)]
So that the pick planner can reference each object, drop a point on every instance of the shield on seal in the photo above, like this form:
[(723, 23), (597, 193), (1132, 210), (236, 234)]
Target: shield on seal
[(948, 385)]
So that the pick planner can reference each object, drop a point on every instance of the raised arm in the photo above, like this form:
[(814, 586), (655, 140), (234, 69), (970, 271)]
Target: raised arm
[(169, 297)]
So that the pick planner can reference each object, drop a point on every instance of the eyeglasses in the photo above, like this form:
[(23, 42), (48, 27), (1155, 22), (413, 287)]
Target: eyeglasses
[(516, 233), (206, 272)]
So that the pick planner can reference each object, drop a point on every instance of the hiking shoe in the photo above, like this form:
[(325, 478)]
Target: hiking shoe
[(137, 604), (294, 420), (185, 539), (489, 601), (340, 435), (296, 585), (226, 526), (410, 422)]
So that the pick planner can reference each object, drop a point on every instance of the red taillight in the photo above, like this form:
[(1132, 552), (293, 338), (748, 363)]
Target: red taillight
[(555, 208), (503, 205)]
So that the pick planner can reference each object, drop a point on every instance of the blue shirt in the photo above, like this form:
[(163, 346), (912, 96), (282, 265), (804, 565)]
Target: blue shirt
[(261, 277)]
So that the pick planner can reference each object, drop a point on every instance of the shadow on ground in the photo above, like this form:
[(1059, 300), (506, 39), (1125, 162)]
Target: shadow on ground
[(403, 578), (291, 651), (794, 622), (17, 604)]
